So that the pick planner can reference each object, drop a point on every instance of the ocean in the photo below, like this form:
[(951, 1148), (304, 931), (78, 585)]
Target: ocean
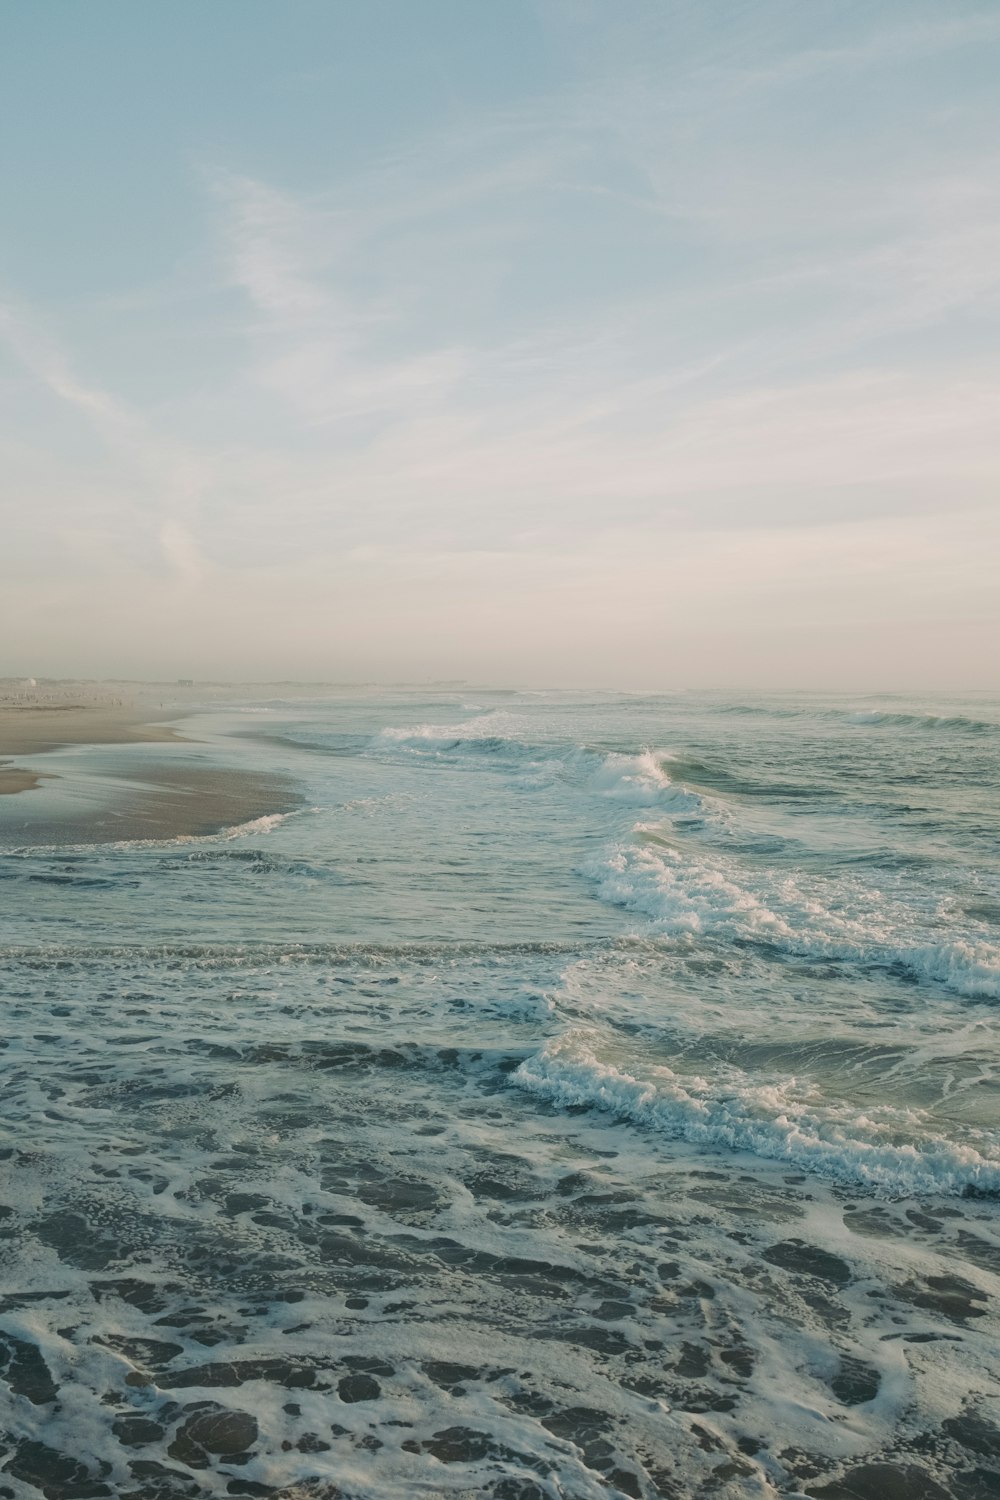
[(577, 1094)]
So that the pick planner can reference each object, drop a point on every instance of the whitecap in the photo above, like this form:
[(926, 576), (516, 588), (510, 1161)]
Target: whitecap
[(767, 1119)]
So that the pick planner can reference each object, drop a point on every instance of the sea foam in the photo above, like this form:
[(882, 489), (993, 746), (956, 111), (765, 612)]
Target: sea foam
[(688, 894), (766, 1119)]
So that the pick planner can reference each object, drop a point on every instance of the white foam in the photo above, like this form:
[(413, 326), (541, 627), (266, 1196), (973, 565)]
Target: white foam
[(686, 895), (642, 781), (262, 825), (634, 780), (445, 736), (776, 1120), (266, 824)]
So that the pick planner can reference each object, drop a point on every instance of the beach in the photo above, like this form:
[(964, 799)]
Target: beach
[(107, 796), (568, 1096), (30, 729)]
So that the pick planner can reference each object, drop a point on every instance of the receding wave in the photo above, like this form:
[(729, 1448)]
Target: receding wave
[(769, 1120), (254, 827)]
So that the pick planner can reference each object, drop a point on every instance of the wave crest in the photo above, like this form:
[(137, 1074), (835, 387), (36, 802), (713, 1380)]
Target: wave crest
[(768, 1120), (683, 897), (879, 718)]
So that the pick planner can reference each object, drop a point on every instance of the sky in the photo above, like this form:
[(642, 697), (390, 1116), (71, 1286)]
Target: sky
[(624, 343)]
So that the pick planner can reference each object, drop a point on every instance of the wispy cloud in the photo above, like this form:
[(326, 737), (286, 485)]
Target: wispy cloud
[(916, 39), (171, 476), (585, 414), (670, 318), (267, 232)]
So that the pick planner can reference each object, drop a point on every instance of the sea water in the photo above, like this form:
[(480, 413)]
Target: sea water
[(579, 1094)]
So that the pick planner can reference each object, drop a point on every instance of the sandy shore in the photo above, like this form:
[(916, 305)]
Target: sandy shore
[(14, 779), (32, 729), (121, 798), (169, 803)]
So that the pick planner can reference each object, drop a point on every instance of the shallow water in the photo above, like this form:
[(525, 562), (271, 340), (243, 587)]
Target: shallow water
[(580, 1095)]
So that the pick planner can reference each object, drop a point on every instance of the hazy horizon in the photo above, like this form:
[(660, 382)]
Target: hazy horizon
[(317, 687), (550, 343)]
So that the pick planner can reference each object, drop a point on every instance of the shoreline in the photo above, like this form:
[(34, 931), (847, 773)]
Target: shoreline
[(14, 779), (123, 796), (35, 729)]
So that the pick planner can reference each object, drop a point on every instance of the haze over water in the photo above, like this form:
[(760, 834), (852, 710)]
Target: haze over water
[(580, 1094)]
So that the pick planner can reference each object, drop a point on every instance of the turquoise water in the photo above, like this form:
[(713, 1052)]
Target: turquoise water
[(578, 1095)]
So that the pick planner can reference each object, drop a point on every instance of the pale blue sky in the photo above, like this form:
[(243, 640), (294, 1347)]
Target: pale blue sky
[(580, 341)]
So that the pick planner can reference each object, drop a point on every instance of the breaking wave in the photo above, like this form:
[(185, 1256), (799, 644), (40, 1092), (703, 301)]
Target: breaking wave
[(637, 779), (684, 897), (769, 1120)]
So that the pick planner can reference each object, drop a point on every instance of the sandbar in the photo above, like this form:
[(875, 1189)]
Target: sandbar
[(17, 779)]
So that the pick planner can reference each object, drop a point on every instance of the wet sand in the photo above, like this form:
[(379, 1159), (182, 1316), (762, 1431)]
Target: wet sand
[(124, 797), (15, 779), (34, 728), (168, 803)]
